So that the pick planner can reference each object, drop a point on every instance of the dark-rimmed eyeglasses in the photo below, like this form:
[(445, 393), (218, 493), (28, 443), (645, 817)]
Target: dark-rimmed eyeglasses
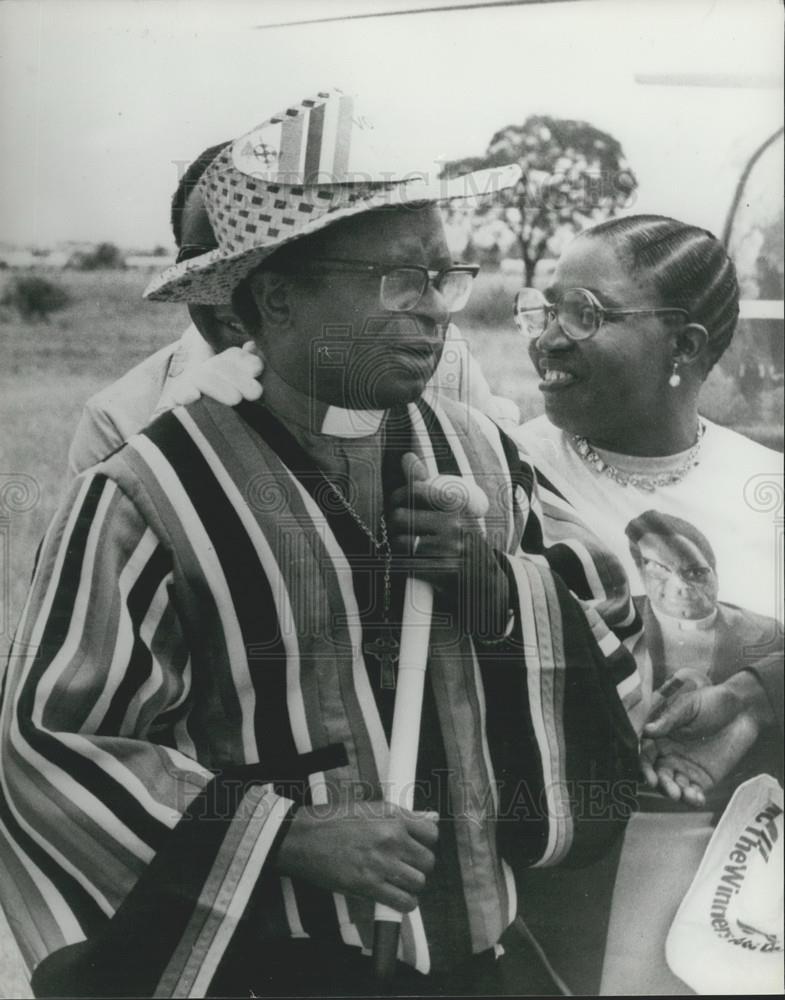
[(578, 313), (189, 250), (402, 287), (692, 575)]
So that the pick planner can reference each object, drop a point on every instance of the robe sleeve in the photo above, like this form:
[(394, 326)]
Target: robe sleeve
[(554, 535), (120, 842), (559, 687), (769, 672)]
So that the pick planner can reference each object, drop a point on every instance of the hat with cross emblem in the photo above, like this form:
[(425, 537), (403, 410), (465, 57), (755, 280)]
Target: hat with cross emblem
[(304, 168)]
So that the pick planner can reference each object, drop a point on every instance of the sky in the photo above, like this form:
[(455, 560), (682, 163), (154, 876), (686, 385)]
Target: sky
[(102, 101)]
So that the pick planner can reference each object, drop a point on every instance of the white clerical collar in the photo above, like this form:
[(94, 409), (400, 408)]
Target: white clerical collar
[(351, 423), (314, 416), (686, 624)]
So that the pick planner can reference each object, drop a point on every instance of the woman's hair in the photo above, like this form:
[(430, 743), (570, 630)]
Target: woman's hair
[(690, 268)]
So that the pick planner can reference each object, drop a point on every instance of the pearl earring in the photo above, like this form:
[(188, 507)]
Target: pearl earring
[(675, 380)]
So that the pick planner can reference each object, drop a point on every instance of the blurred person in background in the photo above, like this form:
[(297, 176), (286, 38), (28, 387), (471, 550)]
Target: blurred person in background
[(770, 288), (181, 371), (639, 310)]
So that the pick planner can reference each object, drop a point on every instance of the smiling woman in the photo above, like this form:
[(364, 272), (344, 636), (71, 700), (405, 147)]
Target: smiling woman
[(639, 310), (617, 342)]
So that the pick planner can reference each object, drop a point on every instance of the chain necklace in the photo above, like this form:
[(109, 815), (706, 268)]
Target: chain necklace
[(642, 481), (383, 648)]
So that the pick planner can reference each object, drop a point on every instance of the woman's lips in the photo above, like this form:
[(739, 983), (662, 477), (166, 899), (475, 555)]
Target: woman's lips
[(556, 378)]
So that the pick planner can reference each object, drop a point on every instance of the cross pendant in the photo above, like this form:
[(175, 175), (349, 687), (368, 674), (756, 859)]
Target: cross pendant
[(385, 650)]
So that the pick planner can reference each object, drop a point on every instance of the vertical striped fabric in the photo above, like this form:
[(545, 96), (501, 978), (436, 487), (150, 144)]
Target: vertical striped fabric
[(190, 666)]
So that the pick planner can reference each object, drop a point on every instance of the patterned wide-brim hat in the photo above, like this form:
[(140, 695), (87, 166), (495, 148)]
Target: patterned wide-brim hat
[(303, 169)]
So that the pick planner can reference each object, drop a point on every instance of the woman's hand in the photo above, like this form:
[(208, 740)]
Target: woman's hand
[(697, 736)]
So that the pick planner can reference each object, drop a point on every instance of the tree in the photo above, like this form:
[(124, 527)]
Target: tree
[(35, 297), (104, 256), (573, 175)]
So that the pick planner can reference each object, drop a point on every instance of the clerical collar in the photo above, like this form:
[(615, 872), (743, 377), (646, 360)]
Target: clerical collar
[(686, 624), (314, 416)]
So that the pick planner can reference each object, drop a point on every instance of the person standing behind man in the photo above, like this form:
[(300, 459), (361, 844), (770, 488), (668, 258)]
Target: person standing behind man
[(181, 371)]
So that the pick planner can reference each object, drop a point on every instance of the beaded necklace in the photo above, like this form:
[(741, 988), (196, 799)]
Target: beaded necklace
[(640, 480)]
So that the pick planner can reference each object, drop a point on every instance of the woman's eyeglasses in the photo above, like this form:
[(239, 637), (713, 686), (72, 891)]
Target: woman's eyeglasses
[(577, 312), (402, 288)]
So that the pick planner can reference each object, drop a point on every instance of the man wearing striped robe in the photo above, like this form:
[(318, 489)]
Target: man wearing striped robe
[(198, 704)]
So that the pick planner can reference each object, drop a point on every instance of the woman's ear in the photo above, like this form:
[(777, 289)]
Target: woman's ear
[(690, 344)]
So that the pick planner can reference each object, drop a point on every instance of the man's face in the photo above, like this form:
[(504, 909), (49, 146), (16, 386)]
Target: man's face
[(341, 346), (678, 578)]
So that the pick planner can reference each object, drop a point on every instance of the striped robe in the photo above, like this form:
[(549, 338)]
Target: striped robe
[(194, 661)]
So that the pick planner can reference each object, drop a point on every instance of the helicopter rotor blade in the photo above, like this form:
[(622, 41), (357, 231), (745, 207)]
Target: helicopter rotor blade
[(434, 9)]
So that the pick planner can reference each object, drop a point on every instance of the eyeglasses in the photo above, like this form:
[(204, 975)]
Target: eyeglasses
[(577, 312), (695, 575), (189, 250), (402, 288)]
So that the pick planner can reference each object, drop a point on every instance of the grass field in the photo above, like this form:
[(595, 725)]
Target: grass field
[(48, 370)]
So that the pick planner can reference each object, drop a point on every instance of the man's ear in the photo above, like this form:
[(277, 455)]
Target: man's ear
[(221, 327), (689, 344), (232, 330), (245, 309), (272, 298)]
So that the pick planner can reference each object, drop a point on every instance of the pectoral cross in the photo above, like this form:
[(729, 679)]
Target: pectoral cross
[(385, 650)]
